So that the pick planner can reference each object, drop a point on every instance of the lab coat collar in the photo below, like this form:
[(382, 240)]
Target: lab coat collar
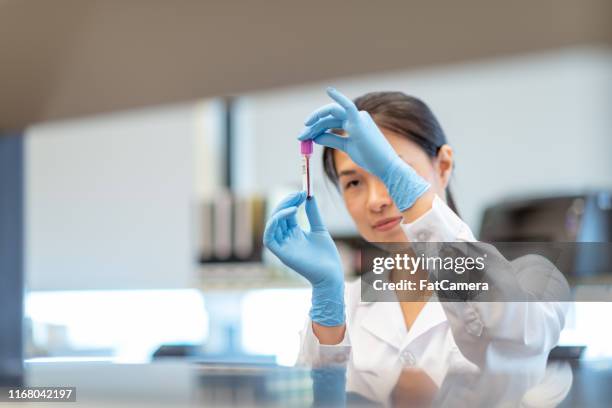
[(386, 321), (383, 318), (431, 316)]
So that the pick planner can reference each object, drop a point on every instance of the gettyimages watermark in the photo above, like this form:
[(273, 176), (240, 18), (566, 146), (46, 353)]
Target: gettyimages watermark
[(487, 272)]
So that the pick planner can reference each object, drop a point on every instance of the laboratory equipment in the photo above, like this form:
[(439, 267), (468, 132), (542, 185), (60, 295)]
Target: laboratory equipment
[(306, 147), (568, 218)]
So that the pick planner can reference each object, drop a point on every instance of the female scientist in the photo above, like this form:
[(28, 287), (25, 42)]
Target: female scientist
[(393, 165)]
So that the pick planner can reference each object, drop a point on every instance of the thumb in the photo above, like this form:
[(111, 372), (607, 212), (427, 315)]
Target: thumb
[(314, 217), (332, 140)]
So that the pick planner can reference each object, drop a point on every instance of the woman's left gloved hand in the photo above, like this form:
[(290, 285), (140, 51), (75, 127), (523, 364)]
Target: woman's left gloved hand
[(366, 146)]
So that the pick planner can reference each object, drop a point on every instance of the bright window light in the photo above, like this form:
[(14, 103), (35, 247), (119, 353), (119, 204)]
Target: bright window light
[(272, 320), (585, 328), (132, 324)]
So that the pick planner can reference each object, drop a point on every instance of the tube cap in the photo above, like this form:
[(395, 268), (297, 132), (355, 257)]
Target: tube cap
[(306, 146)]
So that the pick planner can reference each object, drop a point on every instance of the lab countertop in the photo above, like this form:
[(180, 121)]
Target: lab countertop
[(179, 383)]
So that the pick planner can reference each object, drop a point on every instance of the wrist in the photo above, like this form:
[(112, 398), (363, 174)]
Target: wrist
[(423, 204), (328, 304), (329, 335), (404, 184)]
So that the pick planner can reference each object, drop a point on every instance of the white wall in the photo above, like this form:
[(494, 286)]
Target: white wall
[(535, 124), (109, 200)]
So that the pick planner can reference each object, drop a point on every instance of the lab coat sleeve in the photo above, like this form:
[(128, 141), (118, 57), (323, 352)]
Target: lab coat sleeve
[(498, 333), (314, 354)]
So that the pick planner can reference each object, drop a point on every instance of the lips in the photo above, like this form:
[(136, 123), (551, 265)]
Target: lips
[(387, 223)]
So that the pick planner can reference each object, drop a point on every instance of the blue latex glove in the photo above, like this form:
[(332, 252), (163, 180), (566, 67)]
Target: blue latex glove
[(312, 254), (366, 146)]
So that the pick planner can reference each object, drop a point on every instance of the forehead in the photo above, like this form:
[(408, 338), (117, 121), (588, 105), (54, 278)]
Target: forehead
[(403, 146)]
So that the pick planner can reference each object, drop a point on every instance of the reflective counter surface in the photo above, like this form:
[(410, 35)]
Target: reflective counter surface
[(181, 383)]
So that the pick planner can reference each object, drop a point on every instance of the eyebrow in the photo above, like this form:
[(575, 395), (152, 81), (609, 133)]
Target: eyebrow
[(347, 173)]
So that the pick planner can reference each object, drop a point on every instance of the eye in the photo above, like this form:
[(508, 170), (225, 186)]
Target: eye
[(351, 183)]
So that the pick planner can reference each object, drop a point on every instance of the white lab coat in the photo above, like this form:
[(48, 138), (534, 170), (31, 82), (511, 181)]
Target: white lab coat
[(446, 336)]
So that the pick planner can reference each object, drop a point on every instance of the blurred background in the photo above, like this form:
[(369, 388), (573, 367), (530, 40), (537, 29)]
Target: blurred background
[(142, 145)]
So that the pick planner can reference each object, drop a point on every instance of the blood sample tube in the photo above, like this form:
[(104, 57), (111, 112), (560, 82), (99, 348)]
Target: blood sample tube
[(306, 148)]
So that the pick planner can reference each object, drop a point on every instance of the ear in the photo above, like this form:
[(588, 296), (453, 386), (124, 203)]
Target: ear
[(444, 164)]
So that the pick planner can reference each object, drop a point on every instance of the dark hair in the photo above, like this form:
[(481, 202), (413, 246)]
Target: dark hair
[(405, 115)]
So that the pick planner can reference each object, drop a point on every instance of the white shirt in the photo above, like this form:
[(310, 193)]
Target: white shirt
[(446, 336)]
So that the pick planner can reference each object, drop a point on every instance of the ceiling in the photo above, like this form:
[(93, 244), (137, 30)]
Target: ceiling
[(63, 58)]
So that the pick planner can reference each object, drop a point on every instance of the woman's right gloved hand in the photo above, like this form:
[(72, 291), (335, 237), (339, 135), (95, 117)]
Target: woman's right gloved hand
[(312, 254), (366, 146)]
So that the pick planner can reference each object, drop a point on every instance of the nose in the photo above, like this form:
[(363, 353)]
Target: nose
[(378, 196)]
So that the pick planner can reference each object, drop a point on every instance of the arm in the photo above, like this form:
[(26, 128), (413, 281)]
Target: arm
[(313, 255), (318, 353), (329, 335), (493, 332), (420, 207)]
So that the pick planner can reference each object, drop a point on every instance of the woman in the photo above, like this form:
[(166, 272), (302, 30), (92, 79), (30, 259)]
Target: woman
[(393, 166)]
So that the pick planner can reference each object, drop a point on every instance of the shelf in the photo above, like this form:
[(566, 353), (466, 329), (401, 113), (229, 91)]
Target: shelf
[(238, 276), (226, 285)]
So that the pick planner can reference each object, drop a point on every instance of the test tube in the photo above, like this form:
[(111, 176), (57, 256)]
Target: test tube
[(306, 151)]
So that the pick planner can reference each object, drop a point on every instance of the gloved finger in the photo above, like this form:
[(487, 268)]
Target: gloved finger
[(270, 234), (284, 226), (292, 221), (293, 199), (276, 228), (278, 233), (332, 140), (283, 217), (314, 216), (332, 109), (321, 126), (345, 102)]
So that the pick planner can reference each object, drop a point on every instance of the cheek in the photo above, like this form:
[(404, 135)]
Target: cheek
[(427, 171), (356, 207), (353, 206), (358, 213)]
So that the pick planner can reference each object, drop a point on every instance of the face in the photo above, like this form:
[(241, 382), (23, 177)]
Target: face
[(366, 197)]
